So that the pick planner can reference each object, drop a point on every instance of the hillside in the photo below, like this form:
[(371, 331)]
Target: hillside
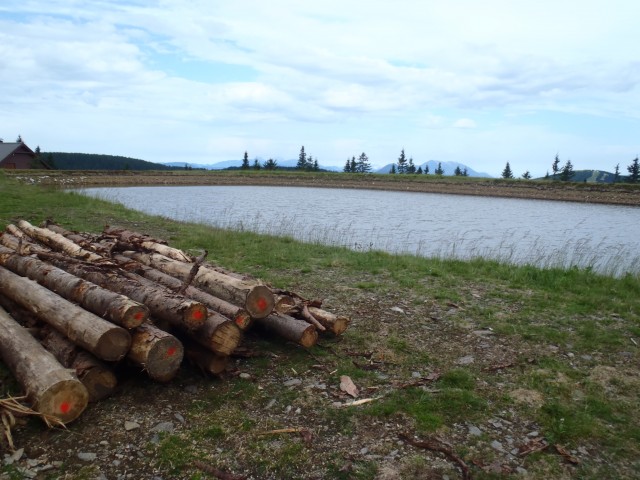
[(91, 161), (591, 176), (448, 167)]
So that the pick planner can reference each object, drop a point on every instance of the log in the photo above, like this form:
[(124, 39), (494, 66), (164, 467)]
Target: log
[(51, 388), (20, 244), (336, 324), (290, 328), (178, 310), (114, 307), (159, 353), (286, 304), (148, 243), (95, 375), (218, 334), (255, 298), (81, 240), (59, 242), (102, 338), (237, 314), (210, 362)]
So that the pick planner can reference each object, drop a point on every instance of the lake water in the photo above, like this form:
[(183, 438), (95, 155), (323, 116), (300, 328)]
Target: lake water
[(542, 233)]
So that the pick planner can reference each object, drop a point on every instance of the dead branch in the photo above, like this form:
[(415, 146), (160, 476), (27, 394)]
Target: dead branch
[(436, 445)]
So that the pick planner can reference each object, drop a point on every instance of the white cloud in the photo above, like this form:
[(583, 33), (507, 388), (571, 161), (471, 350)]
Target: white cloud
[(464, 123)]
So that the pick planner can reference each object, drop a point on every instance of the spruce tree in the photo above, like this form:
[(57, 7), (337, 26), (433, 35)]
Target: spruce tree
[(393, 169), (354, 166), (316, 167), (526, 175), (426, 169), (439, 170), (402, 163), (363, 164), (555, 166), (309, 165), (270, 164), (419, 171), (507, 173), (465, 173), (616, 174), (457, 172), (302, 160), (567, 172), (256, 164), (245, 162), (347, 166), (634, 171), (411, 168)]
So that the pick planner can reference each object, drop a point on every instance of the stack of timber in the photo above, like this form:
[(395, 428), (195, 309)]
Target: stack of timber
[(73, 306)]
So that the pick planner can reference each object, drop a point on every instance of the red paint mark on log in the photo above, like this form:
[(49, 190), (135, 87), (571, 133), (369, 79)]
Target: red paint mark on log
[(65, 407), (197, 315), (171, 351), (139, 316), (262, 304)]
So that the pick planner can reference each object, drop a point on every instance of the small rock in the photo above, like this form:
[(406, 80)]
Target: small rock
[(271, 403), (467, 360), (496, 445), (179, 417), (588, 358), (535, 433), (483, 333), (26, 473), (164, 427), (293, 382), (397, 310), (570, 355), (474, 431), (131, 425), (415, 375), (521, 471), (116, 463), (245, 376), (87, 456), (104, 443), (14, 457), (364, 451), (191, 389)]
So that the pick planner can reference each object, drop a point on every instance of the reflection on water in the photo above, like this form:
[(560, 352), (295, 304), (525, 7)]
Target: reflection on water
[(542, 233)]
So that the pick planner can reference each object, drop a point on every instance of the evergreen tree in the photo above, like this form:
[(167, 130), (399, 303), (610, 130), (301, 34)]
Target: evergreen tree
[(411, 168), (634, 171), (256, 164), (465, 173), (439, 170), (270, 164), (302, 160), (316, 167), (567, 172), (393, 168), (457, 172), (616, 174), (354, 165), (547, 175), (309, 165), (50, 161), (19, 139), (419, 171), (555, 167), (245, 162), (363, 165), (426, 169), (37, 151), (507, 173), (347, 166), (526, 175), (402, 163)]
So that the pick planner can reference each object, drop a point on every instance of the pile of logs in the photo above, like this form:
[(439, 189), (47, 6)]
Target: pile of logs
[(73, 305)]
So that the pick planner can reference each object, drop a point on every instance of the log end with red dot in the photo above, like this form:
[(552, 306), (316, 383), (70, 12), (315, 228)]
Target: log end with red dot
[(260, 302)]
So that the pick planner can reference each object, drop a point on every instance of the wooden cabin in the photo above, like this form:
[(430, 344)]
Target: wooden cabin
[(18, 156)]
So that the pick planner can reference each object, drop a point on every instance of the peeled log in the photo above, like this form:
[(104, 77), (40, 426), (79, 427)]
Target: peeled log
[(291, 329), (58, 242), (47, 384), (148, 243), (159, 353), (218, 334), (96, 376), (255, 298), (114, 307), (175, 309), (334, 323), (237, 314), (102, 338)]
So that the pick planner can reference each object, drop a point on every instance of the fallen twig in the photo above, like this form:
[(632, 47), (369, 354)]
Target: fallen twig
[(436, 445)]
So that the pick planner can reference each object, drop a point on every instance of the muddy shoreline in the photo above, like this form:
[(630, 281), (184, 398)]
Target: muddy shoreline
[(618, 194)]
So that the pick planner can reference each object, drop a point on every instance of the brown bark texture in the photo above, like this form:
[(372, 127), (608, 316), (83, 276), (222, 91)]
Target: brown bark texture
[(337, 324), (158, 353), (290, 328), (102, 338), (51, 388)]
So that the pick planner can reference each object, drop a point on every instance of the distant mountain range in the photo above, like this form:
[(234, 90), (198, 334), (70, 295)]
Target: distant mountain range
[(448, 167), (238, 163)]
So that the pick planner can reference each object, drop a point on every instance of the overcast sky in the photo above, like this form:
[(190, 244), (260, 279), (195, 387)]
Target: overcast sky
[(480, 83)]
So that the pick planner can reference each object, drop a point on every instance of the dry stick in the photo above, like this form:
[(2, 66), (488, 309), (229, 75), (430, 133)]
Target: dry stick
[(148, 244), (257, 299), (114, 307), (102, 338), (239, 315), (437, 446), (291, 329), (192, 273), (334, 323), (311, 319), (159, 353), (48, 385)]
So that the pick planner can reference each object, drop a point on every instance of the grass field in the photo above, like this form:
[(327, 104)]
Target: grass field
[(522, 372)]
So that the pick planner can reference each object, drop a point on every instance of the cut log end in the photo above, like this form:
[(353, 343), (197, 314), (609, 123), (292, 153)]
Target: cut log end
[(194, 316), (134, 316), (242, 319), (260, 302), (100, 383), (114, 345), (65, 400), (164, 359), (226, 338), (309, 337)]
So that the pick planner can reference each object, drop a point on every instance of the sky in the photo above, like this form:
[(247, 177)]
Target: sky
[(202, 81)]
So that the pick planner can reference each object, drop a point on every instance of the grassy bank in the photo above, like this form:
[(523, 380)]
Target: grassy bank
[(498, 361)]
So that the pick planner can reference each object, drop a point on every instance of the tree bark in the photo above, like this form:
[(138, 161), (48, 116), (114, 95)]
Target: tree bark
[(114, 307), (334, 323), (237, 314), (255, 298), (58, 242), (48, 385), (159, 353), (95, 375), (20, 245), (291, 329), (175, 309), (208, 361), (148, 243), (218, 334), (102, 338)]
